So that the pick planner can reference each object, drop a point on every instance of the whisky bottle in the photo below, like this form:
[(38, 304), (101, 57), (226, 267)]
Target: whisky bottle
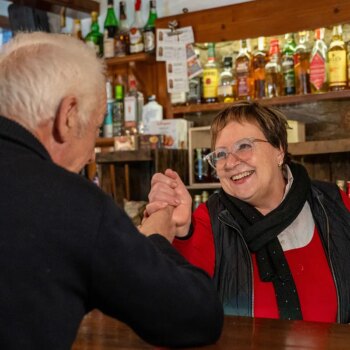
[(118, 111), (149, 30), (136, 38), (210, 76), (94, 38), (259, 62), (302, 65), (288, 53), (122, 38), (245, 82), (337, 60), (225, 88), (110, 31), (273, 70), (318, 64)]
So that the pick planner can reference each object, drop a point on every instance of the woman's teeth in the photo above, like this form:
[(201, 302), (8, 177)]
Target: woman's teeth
[(242, 175)]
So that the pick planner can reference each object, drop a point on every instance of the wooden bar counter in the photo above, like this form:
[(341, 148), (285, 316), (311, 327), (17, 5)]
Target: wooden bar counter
[(99, 332)]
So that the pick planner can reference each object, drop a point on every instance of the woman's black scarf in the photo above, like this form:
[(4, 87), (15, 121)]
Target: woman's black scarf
[(260, 233)]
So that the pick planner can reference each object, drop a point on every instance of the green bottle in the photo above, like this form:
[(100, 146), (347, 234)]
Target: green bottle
[(149, 30), (288, 64), (110, 31), (95, 39)]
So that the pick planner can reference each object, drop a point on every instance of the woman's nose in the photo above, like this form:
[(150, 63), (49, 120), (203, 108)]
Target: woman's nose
[(232, 160)]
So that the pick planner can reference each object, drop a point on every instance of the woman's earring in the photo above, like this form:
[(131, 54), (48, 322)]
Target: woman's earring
[(280, 164)]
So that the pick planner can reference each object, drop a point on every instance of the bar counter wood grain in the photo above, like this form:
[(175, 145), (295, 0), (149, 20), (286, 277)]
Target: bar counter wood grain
[(99, 332)]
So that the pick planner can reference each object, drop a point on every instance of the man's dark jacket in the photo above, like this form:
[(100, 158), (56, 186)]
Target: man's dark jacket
[(66, 248)]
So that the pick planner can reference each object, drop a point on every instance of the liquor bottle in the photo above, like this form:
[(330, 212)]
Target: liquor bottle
[(341, 184), (108, 121), (273, 70), (318, 64), (245, 87), (259, 62), (135, 34), (149, 30), (197, 201), (118, 111), (198, 165), (110, 31), (194, 94), (133, 104), (288, 72), (302, 65), (337, 60), (122, 38), (225, 88), (95, 39), (76, 32), (210, 76)]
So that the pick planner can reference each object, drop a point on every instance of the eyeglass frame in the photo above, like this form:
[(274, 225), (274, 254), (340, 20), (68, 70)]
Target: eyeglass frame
[(250, 139)]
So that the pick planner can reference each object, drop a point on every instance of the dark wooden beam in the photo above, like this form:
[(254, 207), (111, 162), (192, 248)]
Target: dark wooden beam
[(75, 8)]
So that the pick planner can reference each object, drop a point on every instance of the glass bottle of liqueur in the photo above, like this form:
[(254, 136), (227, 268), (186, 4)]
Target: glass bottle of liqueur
[(302, 64), (95, 39), (244, 78), (135, 34), (76, 32), (337, 60), (195, 89), (150, 29), (122, 38), (259, 62), (318, 64), (107, 128), (210, 76), (288, 72), (118, 111), (225, 88), (133, 104), (273, 70), (110, 31)]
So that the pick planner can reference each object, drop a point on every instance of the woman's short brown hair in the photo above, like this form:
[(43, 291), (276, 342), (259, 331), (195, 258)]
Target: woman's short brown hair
[(271, 121)]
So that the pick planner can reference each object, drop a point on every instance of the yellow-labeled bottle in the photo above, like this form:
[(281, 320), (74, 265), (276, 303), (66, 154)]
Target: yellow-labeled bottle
[(337, 60), (210, 76)]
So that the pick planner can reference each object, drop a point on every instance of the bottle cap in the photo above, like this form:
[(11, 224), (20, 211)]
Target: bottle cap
[(151, 98)]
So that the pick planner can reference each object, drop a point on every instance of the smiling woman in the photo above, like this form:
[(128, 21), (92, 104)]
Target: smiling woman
[(268, 220)]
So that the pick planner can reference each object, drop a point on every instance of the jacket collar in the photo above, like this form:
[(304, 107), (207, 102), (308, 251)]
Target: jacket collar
[(14, 132)]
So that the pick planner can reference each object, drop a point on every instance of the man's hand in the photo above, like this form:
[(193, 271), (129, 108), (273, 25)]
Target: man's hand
[(159, 222), (168, 189)]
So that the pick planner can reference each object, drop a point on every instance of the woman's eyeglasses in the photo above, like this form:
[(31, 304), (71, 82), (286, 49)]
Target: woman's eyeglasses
[(242, 149)]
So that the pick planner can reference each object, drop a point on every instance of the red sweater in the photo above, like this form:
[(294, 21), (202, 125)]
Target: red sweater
[(313, 277)]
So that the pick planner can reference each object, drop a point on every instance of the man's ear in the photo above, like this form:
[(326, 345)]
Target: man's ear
[(65, 119)]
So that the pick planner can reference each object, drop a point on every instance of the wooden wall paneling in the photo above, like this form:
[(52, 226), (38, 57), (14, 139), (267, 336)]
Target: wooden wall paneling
[(261, 18), (340, 166)]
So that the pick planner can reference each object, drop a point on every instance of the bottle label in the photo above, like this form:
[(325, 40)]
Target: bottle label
[(317, 71), (337, 68), (149, 40), (225, 90), (288, 74), (108, 47), (136, 42), (210, 82), (130, 112)]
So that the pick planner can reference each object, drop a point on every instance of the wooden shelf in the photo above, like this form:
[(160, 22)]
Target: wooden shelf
[(319, 147), (124, 156), (136, 57), (276, 101)]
